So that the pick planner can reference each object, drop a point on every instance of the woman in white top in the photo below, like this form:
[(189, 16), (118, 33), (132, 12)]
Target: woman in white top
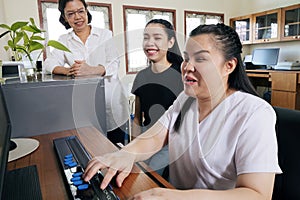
[(93, 53), (221, 136)]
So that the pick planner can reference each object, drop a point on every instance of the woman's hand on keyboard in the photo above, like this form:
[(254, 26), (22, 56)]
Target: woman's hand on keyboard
[(118, 164)]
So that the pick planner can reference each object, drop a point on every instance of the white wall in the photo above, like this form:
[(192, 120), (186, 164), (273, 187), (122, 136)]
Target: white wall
[(245, 7), (3, 53), (13, 10)]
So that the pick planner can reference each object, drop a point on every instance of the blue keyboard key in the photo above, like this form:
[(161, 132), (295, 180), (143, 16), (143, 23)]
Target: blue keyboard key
[(72, 164), (68, 162), (75, 178), (68, 159), (83, 186), (76, 183), (77, 174), (69, 156)]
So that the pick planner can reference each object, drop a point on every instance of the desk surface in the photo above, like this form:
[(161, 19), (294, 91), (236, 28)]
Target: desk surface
[(50, 175), (264, 73)]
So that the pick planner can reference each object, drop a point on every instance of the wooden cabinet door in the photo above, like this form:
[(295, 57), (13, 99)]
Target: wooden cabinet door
[(290, 29), (284, 99), (243, 26), (284, 81), (266, 26)]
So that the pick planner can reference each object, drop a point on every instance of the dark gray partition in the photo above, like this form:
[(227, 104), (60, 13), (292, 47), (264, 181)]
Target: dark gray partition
[(55, 105)]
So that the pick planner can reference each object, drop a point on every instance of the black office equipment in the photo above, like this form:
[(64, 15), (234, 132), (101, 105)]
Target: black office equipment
[(73, 159), (265, 58), (5, 131), (11, 69), (288, 137), (20, 183)]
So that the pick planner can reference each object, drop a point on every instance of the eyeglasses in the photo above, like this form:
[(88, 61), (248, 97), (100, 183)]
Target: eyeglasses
[(80, 12)]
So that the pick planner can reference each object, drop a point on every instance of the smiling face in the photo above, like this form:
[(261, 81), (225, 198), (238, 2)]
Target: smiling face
[(156, 43), (204, 70), (76, 15)]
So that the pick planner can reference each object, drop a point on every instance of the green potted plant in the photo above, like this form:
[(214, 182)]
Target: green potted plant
[(25, 38)]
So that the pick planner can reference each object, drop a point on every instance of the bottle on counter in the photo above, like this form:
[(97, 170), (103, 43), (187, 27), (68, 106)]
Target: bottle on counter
[(39, 71)]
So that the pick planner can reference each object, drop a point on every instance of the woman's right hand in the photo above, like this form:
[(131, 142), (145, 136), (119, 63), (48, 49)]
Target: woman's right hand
[(118, 163)]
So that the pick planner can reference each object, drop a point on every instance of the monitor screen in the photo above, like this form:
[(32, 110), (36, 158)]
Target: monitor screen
[(5, 132), (265, 56), (11, 68)]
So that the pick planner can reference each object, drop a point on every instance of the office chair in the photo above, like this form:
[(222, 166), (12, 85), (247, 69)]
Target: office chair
[(287, 184)]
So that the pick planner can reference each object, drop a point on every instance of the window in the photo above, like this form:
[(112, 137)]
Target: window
[(135, 19), (49, 17), (194, 19)]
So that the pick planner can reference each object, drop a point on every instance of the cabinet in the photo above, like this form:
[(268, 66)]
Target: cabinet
[(290, 29), (242, 26), (285, 86), (285, 89), (266, 26)]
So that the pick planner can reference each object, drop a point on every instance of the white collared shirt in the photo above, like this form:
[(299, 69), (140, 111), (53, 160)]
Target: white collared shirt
[(99, 49)]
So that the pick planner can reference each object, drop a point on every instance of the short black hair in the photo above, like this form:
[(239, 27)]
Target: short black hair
[(61, 8)]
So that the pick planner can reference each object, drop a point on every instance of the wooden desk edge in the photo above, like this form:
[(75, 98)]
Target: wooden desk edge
[(156, 176), (136, 182)]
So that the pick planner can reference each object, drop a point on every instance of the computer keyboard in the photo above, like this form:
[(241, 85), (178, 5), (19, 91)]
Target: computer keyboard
[(22, 183), (73, 159)]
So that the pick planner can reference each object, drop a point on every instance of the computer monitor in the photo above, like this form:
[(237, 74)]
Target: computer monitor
[(265, 57), (5, 131), (11, 69)]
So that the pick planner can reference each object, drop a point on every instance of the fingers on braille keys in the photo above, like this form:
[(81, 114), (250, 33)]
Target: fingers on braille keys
[(76, 179)]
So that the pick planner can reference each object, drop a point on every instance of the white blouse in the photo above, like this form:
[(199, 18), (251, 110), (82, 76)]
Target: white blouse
[(99, 49), (237, 137)]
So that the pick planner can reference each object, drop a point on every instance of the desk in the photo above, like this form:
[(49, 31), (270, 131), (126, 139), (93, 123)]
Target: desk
[(285, 86), (50, 175)]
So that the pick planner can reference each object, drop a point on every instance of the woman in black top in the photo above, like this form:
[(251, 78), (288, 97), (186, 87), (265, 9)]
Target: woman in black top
[(156, 87)]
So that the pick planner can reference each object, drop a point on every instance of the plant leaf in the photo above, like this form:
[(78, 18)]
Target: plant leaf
[(33, 46), (35, 37), (17, 25), (31, 20), (31, 29), (38, 30), (6, 48), (5, 26), (11, 44), (33, 26), (58, 45), (18, 37), (25, 38)]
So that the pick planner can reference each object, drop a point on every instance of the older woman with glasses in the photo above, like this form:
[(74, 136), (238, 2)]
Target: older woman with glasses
[(93, 53)]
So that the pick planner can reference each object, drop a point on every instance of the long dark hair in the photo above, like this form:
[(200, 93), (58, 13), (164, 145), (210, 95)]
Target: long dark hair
[(61, 8), (228, 41), (173, 54)]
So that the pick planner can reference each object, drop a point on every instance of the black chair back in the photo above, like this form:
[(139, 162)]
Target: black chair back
[(287, 184)]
